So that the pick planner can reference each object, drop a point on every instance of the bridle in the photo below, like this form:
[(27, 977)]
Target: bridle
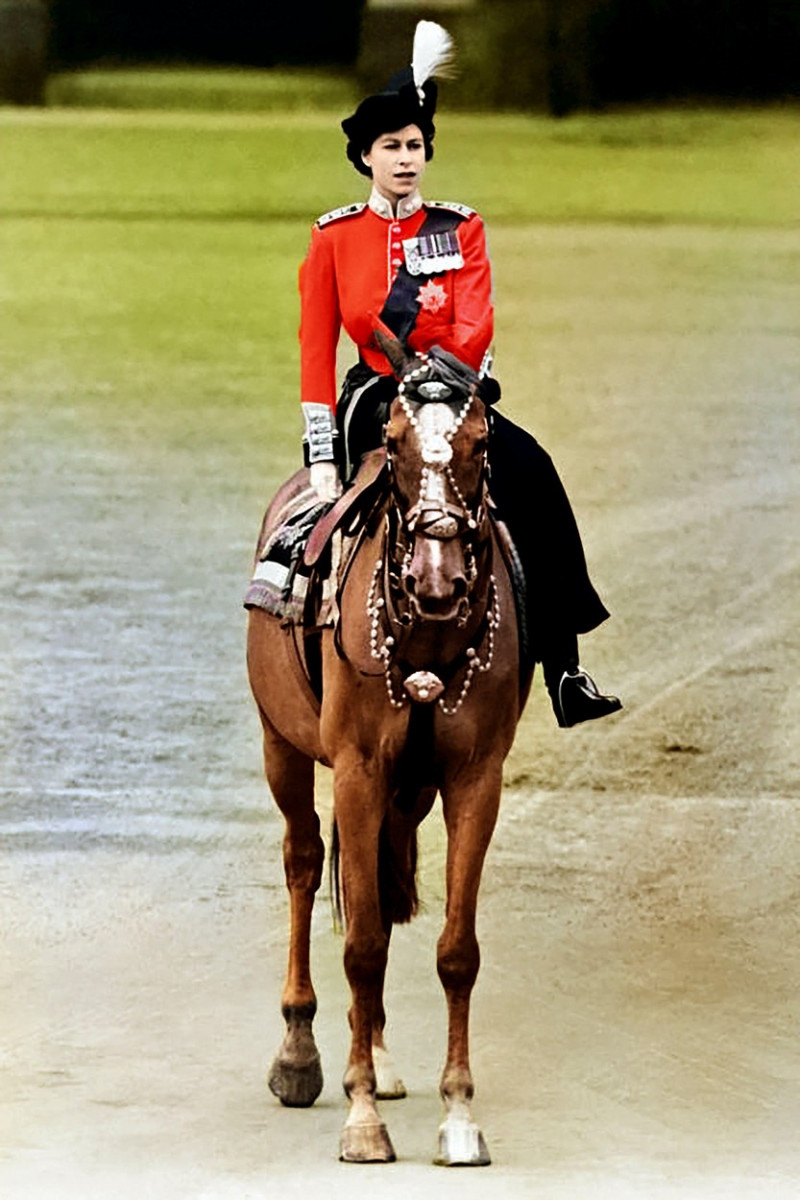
[(435, 438), (441, 512)]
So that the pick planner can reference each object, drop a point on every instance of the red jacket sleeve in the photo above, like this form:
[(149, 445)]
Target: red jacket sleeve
[(320, 322), (469, 334)]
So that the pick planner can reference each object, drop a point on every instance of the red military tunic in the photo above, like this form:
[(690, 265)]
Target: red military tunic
[(346, 277)]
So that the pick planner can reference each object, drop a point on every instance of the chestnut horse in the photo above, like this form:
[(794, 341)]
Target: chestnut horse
[(421, 693)]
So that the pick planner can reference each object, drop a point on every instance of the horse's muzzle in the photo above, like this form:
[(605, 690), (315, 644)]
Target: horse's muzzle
[(436, 578)]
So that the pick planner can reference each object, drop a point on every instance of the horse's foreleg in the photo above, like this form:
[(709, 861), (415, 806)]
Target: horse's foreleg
[(359, 814), (296, 1073), (470, 810), (398, 892), (388, 1083)]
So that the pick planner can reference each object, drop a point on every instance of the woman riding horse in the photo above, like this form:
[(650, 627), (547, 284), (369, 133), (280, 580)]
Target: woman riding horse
[(419, 271)]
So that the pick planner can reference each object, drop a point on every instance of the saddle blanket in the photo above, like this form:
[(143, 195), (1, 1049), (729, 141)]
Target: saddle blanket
[(280, 583)]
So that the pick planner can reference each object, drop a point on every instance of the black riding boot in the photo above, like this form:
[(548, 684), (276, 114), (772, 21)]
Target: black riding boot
[(531, 500), (574, 694)]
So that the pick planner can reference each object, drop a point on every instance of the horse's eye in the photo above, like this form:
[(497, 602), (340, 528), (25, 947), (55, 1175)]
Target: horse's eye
[(479, 448)]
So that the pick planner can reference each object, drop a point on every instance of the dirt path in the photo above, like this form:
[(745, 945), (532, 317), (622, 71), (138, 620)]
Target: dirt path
[(635, 1029)]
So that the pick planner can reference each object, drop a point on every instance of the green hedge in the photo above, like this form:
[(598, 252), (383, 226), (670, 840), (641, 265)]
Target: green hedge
[(24, 30), (212, 90)]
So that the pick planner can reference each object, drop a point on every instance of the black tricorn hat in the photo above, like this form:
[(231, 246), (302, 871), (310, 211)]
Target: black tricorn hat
[(409, 97)]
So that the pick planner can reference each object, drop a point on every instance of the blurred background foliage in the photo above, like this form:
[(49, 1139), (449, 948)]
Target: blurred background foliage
[(534, 55)]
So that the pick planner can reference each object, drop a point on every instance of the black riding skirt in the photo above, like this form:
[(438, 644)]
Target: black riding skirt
[(530, 498)]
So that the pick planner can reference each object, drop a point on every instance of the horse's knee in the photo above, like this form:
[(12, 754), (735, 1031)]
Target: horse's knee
[(458, 961), (303, 861), (365, 957)]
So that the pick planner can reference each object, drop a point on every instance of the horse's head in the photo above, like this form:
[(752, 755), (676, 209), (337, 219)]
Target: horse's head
[(436, 440)]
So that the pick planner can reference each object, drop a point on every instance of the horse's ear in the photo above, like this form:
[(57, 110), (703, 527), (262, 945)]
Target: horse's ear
[(394, 351)]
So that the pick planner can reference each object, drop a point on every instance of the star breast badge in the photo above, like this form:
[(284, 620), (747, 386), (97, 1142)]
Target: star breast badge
[(432, 297)]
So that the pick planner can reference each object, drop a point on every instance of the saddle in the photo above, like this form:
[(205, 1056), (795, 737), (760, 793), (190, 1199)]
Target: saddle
[(297, 556), (296, 542)]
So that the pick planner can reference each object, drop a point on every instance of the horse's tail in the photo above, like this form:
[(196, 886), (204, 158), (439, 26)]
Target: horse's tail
[(414, 775), (397, 872), (335, 880), (415, 769), (397, 869)]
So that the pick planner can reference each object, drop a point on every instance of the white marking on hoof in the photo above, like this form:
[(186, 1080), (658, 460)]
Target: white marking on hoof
[(461, 1144), (366, 1144), (364, 1137), (389, 1085)]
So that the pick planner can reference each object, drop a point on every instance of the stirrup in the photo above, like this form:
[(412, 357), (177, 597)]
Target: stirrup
[(579, 699)]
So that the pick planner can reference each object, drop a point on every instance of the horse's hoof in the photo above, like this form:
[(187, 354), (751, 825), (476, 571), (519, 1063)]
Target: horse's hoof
[(389, 1086), (296, 1085), (461, 1144), (366, 1144)]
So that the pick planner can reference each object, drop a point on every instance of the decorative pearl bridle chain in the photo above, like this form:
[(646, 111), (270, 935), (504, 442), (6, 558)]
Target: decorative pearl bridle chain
[(382, 649), (473, 658)]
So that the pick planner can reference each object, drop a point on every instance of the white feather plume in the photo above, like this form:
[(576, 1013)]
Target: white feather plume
[(433, 53)]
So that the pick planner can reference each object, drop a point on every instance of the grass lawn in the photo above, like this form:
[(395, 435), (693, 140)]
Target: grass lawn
[(738, 166)]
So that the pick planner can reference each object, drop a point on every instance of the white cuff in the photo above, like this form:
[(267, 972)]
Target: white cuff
[(320, 433)]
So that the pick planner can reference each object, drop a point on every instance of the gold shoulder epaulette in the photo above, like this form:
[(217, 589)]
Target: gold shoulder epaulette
[(336, 214), (463, 210)]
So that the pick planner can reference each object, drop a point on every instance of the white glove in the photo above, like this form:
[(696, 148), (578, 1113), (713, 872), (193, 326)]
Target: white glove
[(325, 480)]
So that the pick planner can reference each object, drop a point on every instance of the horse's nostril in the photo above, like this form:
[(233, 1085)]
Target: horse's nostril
[(411, 584), (459, 587)]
